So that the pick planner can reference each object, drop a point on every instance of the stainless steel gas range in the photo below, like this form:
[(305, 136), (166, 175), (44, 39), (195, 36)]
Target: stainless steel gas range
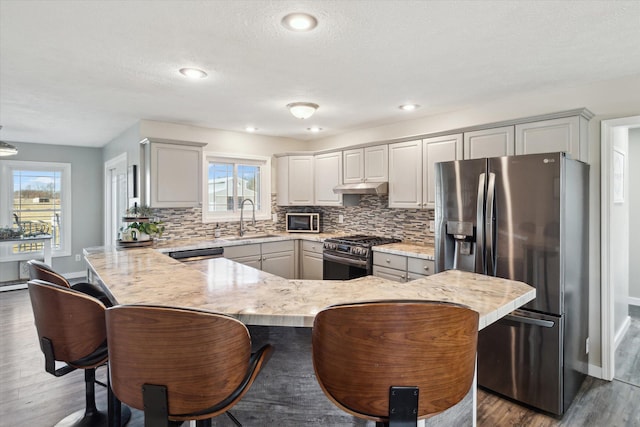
[(350, 257)]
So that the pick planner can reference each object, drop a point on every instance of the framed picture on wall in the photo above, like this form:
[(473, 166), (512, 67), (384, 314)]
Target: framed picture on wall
[(618, 176)]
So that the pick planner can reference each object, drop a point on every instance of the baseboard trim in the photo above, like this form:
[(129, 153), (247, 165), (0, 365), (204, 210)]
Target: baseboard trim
[(621, 332), (594, 371)]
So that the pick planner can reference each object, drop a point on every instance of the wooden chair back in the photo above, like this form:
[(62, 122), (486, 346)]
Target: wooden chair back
[(201, 357), (72, 321), (361, 350), (41, 271)]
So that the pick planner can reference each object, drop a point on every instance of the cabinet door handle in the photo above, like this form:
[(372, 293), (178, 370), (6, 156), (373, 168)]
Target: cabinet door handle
[(426, 267), (388, 260)]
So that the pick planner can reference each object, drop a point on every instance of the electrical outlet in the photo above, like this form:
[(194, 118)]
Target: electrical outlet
[(340, 219), (77, 257), (586, 345), (432, 226), (274, 217)]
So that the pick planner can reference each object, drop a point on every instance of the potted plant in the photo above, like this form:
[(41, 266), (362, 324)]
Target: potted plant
[(139, 226), (144, 230)]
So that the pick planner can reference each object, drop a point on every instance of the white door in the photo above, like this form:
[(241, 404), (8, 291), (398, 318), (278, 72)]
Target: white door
[(115, 182)]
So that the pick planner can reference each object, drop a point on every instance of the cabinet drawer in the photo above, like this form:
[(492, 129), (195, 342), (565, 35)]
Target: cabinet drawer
[(272, 247), (398, 262), (390, 273), (421, 266), (309, 246), (242, 251)]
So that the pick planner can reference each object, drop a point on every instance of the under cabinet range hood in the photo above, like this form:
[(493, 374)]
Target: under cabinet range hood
[(378, 188)]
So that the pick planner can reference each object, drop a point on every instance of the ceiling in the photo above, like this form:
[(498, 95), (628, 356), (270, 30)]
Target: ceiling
[(81, 72)]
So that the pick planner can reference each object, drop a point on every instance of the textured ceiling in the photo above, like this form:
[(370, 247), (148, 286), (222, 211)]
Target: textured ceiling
[(81, 72)]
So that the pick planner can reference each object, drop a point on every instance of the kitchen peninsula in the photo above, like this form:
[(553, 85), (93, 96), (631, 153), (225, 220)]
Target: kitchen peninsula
[(281, 311)]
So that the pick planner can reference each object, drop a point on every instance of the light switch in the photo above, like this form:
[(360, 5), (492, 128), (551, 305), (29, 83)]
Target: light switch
[(340, 219), (432, 226)]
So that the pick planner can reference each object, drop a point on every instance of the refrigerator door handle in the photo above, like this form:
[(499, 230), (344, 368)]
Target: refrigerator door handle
[(480, 236), (529, 320), (489, 223)]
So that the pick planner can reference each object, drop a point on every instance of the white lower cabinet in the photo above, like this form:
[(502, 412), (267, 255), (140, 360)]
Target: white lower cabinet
[(274, 257), (279, 258), (400, 268), (311, 261)]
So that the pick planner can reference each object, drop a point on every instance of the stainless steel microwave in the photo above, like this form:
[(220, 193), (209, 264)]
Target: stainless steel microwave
[(303, 222)]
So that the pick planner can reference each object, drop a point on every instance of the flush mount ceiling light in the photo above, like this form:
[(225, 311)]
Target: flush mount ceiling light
[(302, 110), (193, 73), (7, 149), (409, 107), (299, 22), (314, 129)]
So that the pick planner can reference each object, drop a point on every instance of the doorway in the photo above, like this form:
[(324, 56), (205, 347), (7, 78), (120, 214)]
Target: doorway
[(615, 219), (115, 191)]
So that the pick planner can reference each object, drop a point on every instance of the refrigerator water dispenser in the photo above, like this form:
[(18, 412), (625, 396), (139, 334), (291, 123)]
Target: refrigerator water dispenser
[(464, 248)]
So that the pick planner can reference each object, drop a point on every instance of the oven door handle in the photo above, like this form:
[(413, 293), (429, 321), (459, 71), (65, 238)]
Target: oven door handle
[(344, 260)]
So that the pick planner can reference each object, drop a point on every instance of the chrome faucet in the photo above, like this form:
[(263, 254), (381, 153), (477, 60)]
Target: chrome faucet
[(253, 222)]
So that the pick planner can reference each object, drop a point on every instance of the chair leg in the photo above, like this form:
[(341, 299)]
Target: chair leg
[(203, 423), (234, 419)]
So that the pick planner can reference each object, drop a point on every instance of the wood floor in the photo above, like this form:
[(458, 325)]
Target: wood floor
[(31, 397)]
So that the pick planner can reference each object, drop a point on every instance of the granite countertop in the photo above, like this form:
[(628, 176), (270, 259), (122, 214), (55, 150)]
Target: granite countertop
[(165, 246), (145, 275), (407, 249)]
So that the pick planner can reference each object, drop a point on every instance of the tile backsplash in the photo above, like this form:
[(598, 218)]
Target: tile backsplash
[(370, 216)]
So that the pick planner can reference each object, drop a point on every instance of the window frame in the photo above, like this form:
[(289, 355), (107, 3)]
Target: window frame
[(264, 163), (6, 199)]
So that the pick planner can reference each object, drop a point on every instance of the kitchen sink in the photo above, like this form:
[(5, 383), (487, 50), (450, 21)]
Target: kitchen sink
[(250, 237)]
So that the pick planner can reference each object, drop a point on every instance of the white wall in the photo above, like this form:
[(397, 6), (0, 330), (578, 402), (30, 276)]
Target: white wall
[(86, 200), (619, 236), (223, 141), (634, 216), (606, 99)]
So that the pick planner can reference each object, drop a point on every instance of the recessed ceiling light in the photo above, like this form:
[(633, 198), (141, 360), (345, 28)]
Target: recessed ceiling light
[(314, 129), (193, 73), (409, 107), (250, 129), (299, 22)]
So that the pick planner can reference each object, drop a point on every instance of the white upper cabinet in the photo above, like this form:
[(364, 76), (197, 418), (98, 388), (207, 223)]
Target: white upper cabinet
[(496, 142), (370, 164), (438, 149), (568, 134), (405, 175), (295, 180), (376, 163), (412, 169), (353, 166), (328, 174), (174, 174)]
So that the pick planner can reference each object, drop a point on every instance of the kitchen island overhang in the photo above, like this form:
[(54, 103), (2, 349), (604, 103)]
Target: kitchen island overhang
[(146, 276), (281, 312)]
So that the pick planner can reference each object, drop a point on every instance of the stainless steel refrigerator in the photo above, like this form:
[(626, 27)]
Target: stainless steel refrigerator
[(523, 218)]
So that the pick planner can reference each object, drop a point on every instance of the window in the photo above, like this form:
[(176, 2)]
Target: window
[(232, 180), (37, 196)]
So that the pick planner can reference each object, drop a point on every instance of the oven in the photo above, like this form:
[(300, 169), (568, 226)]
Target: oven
[(350, 257)]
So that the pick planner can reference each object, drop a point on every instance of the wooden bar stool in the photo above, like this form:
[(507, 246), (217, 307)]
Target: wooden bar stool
[(395, 362), (71, 329), (179, 364), (38, 270)]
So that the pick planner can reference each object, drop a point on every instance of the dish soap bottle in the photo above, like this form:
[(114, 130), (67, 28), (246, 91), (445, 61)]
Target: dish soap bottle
[(216, 231)]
